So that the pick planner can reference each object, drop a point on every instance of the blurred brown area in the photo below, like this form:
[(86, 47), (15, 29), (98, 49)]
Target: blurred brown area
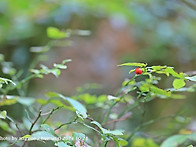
[(94, 58)]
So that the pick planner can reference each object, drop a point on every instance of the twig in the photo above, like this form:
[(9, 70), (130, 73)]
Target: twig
[(116, 102), (191, 73), (50, 113), (126, 116), (66, 123), (24, 143), (39, 115)]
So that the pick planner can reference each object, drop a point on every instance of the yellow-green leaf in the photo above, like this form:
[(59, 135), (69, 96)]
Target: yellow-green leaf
[(178, 83), (55, 33), (134, 64), (3, 114)]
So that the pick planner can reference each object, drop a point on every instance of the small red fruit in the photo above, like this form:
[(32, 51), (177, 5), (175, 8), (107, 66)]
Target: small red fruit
[(138, 71)]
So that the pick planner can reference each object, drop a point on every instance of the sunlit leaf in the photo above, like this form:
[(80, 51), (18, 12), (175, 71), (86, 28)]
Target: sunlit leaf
[(144, 142), (134, 64), (178, 83), (55, 33), (3, 114)]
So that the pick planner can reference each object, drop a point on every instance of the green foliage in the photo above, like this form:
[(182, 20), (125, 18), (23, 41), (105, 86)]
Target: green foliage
[(3, 114), (39, 125), (55, 33)]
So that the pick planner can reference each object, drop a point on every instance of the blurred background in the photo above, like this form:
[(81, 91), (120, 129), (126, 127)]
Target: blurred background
[(157, 32)]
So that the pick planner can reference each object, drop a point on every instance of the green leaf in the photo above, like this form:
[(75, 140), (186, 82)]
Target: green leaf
[(78, 135), (178, 83), (148, 87), (47, 128), (39, 49), (131, 71), (144, 142), (174, 141), (42, 135), (42, 101), (134, 64), (192, 136), (105, 131), (158, 67), (5, 126), (191, 78), (80, 109), (60, 66), (8, 102), (55, 33), (26, 101), (4, 80), (3, 114), (122, 142), (62, 144)]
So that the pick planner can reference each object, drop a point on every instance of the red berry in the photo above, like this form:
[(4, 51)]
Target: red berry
[(138, 71)]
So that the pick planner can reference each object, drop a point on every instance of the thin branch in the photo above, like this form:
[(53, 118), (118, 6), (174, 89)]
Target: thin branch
[(24, 143), (39, 115), (50, 113), (191, 73), (126, 116), (66, 123), (116, 102)]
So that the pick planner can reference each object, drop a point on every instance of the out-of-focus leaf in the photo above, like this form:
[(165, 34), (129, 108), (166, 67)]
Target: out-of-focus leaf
[(26, 101), (3, 114), (191, 78), (62, 144), (178, 83), (76, 105), (5, 126), (122, 142), (8, 102), (148, 87), (158, 67), (134, 64), (4, 80), (47, 128), (42, 135), (39, 49), (192, 136), (174, 141), (105, 131), (78, 135), (144, 142), (55, 33), (2, 57), (42, 101)]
